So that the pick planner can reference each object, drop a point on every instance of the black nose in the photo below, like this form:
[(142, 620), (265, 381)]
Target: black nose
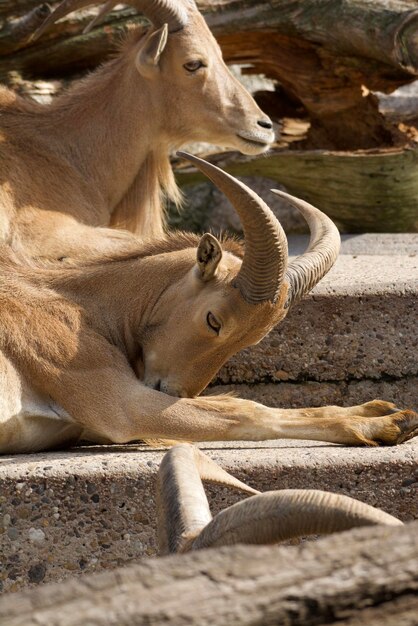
[(265, 124), (157, 385)]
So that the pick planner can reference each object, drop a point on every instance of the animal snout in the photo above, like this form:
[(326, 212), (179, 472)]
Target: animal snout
[(172, 389), (164, 386), (265, 123)]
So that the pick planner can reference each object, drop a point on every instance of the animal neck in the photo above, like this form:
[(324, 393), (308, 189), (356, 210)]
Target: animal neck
[(107, 126), (118, 297)]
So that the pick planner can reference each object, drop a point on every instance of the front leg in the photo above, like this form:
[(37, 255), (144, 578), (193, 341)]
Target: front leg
[(373, 408), (98, 389), (61, 237), (154, 415)]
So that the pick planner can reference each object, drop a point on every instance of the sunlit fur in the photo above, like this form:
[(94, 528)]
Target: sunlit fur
[(98, 155), (85, 348)]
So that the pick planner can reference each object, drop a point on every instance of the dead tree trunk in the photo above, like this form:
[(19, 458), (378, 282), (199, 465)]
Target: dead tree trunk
[(367, 576), (327, 55)]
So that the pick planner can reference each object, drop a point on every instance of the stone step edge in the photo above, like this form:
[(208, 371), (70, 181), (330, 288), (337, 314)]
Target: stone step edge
[(403, 392)]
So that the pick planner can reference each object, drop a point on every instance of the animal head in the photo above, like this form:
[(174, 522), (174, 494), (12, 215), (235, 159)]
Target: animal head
[(224, 303), (193, 94)]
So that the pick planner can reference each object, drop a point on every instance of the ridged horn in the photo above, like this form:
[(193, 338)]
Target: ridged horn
[(265, 260), (159, 12), (182, 506), (281, 515), (304, 272)]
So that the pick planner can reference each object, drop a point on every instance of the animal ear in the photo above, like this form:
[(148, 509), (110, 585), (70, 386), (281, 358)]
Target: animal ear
[(148, 56), (209, 254)]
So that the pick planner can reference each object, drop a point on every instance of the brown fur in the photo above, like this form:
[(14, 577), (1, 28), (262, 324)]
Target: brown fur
[(82, 348), (98, 155)]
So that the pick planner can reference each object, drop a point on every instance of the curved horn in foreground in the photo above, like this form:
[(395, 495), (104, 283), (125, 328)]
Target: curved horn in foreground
[(265, 260), (159, 12), (280, 515), (182, 506), (185, 522), (304, 272)]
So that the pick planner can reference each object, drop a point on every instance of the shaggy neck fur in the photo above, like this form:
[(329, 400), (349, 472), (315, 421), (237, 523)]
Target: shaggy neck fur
[(102, 126)]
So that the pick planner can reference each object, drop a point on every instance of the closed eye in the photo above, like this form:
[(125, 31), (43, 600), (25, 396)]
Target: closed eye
[(193, 66), (213, 323)]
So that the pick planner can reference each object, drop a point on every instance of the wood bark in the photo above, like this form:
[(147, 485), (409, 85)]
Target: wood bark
[(361, 191), (366, 576), (16, 33)]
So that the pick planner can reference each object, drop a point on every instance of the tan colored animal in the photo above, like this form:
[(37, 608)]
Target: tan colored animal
[(116, 349), (98, 155)]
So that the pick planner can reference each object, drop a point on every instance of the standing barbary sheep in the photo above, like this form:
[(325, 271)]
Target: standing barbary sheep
[(117, 348), (98, 154)]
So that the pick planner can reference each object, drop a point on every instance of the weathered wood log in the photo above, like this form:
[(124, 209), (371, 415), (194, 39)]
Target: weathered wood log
[(383, 30), (368, 575), (324, 54), (362, 191), (13, 8), (65, 50), (17, 33), (375, 29)]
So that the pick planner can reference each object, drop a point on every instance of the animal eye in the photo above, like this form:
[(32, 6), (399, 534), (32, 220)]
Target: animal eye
[(193, 66), (213, 323)]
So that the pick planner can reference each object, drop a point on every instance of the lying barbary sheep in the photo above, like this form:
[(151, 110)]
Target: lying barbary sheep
[(117, 348)]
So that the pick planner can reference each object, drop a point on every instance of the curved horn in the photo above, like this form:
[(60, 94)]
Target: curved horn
[(159, 12), (280, 515), (306, 271), (106, 8), (265, 260), (182, 506)]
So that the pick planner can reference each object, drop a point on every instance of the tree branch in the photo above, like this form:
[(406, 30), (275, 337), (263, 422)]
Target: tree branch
[(363, 576)]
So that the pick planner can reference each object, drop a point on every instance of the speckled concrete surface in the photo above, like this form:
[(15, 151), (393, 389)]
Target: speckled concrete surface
[(403, 392), (360, 322), (68, 513), (368, 244)]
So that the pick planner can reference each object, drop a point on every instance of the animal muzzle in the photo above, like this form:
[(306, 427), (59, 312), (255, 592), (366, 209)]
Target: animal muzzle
[(258, 138), (165, 386), (255, 141)]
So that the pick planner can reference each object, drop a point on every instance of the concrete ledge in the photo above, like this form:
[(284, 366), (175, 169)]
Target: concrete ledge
[(360, 322), (368, 244), (89, 509), (403, 392)]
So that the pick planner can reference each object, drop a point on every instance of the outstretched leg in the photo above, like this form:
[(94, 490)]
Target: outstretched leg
[(373, 408), (156, 415), (98, 390)]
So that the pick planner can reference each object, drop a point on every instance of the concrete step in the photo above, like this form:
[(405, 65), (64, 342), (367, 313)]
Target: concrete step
[(358, 324), (67, 513)]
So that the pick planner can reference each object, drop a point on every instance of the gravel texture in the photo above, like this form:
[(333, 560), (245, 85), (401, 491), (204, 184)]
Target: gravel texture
[(67, 513)]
